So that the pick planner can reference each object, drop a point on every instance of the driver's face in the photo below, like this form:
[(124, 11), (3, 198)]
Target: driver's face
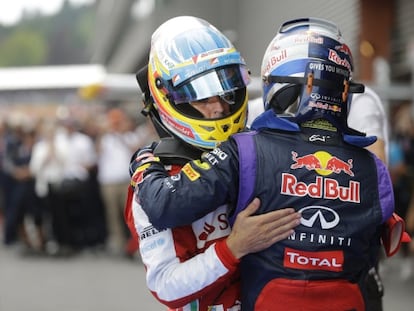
[(212, 107)]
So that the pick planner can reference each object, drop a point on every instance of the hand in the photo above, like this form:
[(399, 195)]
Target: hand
[(253, 233), (141, 156), (141, 160)]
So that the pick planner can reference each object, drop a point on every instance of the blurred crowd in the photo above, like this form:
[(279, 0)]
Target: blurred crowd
[(64, 181), (401, 167)]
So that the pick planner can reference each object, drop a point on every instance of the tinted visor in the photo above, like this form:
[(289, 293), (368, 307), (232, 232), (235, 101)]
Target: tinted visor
[(218, 82)]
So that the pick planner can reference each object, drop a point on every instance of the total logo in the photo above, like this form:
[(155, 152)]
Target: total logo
[(332, 261)]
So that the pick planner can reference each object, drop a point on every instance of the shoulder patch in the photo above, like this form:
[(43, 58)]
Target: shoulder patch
[(189, 171)]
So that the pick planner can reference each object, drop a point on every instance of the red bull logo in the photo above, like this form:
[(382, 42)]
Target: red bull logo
[(334, 57), (276, 59), (322, 188), (323, 163)]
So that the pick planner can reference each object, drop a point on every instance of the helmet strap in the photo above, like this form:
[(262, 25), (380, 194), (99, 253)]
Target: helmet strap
[(309, 83), (150, 111), (345, 91)]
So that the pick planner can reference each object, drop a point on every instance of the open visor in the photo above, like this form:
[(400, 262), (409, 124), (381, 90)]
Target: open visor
[(217, 82)]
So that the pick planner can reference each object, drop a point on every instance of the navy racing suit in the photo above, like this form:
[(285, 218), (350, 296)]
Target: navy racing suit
[(343, 191)]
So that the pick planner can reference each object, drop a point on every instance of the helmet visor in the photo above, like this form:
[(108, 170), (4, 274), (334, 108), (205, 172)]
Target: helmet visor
[(218, 82)]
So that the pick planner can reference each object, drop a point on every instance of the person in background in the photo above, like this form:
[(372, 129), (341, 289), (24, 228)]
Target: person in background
[(367, 115), (80, 220), (23, 204), (46, 166), (401, 166), (115, 145), (198, 102), (302, 153), (3, 133), (11, 142)]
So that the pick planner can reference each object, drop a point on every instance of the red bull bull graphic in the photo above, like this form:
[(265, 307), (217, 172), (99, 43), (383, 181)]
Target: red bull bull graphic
[(336, 165), (309, 161), (322, 163)]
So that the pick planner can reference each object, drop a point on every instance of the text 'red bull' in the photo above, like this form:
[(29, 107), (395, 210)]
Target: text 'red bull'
[(324, 188)]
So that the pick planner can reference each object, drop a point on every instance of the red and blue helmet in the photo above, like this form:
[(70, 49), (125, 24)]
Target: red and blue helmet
[(307, 73)]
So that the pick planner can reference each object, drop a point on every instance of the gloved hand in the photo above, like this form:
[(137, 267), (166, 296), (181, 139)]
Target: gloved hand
[(141, 160), (141, 156)]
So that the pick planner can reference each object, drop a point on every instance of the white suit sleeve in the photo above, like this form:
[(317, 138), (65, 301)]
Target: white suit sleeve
[(170, 278)]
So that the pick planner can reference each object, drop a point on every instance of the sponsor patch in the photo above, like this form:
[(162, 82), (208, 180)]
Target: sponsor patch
[(303, 260), (190, 172), (149, 247)]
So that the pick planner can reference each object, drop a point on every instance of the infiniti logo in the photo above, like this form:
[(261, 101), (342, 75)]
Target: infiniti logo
[(328, 218), (315, 96)]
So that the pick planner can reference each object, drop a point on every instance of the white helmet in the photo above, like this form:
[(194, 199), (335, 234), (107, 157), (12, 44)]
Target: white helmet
[(306, 72)]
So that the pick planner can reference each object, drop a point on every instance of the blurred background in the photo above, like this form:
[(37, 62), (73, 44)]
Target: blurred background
[(68, 67), (111, 39)]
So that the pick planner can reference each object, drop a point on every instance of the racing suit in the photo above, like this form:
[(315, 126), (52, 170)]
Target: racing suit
[(188, 267), (343, 191)]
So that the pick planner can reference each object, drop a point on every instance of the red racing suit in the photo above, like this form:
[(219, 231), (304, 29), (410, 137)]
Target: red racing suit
[(343, 191), (188, 267)]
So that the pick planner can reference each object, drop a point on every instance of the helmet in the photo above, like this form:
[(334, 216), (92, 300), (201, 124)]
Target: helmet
[(191, 60), (306, 73)]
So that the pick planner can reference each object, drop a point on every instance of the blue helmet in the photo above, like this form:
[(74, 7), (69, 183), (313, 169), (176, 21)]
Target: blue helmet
[(307, 73)]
